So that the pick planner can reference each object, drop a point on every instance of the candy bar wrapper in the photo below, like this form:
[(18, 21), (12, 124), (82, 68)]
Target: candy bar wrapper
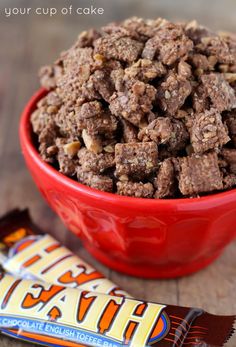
[(61, 316), (27, 252)]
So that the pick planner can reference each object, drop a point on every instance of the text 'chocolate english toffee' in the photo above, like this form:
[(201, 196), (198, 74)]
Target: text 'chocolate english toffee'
[(59, 316), (27, 252)]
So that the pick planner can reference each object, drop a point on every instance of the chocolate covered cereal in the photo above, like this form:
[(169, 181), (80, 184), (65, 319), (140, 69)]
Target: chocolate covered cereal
[(142, 108)]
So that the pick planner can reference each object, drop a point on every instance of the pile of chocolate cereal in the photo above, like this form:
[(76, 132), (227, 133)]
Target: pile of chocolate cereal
[(143, 108)]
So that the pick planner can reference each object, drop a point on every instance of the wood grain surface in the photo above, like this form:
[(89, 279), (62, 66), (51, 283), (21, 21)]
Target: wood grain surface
[(27, 42)]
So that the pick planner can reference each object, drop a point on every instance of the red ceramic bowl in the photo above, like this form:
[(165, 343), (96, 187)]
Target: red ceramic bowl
[(141, 237)]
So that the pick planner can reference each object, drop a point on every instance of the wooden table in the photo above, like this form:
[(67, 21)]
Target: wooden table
[(29, 42)]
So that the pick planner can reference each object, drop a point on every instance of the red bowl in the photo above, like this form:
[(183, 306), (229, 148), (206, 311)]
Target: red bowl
[(141, 237)]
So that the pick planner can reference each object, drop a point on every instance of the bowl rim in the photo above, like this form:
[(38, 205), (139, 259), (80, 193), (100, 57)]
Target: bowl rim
[(25, 133)]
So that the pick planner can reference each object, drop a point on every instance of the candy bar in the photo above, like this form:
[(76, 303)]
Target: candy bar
[(58, 316), (26, 252)]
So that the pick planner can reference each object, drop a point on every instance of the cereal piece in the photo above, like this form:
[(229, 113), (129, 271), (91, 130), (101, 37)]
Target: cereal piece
[(169, 44), (230, 122), (67, 165), (70, 89), (100, 182), (96, 163), (208, 131), (218, 89), (145, 70), (46, 111), (88, 91), (49, 75), (117, 77), (47, 139), (87, 38), (165, 181), (90, 109), (164, 130), (212, 61), (229, 155), (130, 133), (117, 29), (229, 181), (100, 84), (77, 57), (39, 120), (229, 37), (200, 99), (120, 48), (52, 150), (218, 47), (200, 61), (199, 174), (105, 123), (92, 143), (184, 69), (135, 189), (53, 99), (103, 84), (136, 159), (78, 66), (66, 120), (159, 130), (179, 137), (173, 92), (134, 102), (196, 32), (143, 29)]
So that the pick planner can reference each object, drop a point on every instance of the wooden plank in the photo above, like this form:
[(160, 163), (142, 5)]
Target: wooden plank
[(214, 287)]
